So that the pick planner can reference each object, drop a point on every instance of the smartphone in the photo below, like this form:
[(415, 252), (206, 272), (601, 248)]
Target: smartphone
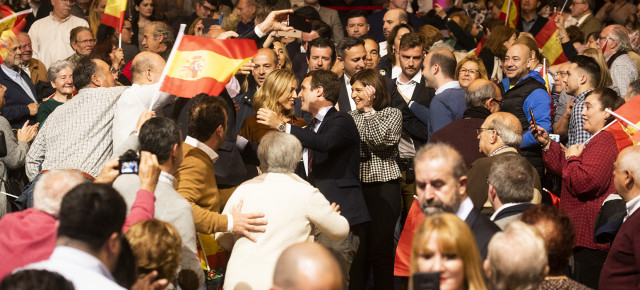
[(426, 281), (298, 23), (291, 33), (207, 23), (533, 119)]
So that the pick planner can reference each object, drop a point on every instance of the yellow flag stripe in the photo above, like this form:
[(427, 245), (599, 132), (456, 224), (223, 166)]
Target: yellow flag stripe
[(192, 65), (115, 7)]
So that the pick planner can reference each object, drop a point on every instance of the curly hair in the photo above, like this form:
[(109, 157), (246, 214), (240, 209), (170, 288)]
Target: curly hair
[(157, 246)]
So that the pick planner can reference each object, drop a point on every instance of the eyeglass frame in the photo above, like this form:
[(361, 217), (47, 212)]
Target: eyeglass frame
[(479, 130)]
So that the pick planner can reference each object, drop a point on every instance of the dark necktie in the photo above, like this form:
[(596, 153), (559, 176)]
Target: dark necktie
[(314, 122)]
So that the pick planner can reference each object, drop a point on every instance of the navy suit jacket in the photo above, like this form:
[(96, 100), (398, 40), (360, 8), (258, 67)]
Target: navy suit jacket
[(335, 155), (16, 109), (422, 95), (482, 228)]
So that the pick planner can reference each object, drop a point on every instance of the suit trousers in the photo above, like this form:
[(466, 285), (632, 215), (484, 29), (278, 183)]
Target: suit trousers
[(588, 264), (346, 250)]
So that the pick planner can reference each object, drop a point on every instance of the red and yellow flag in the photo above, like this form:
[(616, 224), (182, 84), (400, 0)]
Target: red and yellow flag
[(547, 40), (10, 26), (624, 133), (114, 14), (511, 10), (205, 65)]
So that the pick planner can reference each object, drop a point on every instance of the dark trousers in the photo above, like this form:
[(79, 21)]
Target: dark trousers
[(347, 251), (383, 203), (587, 266)]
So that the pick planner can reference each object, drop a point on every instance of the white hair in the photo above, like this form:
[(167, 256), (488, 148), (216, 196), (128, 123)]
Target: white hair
[(52, 187)]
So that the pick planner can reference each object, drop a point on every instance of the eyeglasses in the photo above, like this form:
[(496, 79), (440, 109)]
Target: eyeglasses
[(559, 73), (577, 3), (604, 37), (464, 71), (479, 130), (68, 1), (87, 41)]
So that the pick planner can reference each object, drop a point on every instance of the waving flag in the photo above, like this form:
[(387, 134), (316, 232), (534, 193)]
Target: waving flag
[(205, 65), (625, 128), (114, 14), (510, 13), (10, 26), (547, 39)]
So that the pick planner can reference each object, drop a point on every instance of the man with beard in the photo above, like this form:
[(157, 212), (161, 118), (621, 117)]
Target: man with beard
[(351, 54)]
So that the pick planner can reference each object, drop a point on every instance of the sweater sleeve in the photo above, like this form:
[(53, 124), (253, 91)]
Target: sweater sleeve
[(588, 173), (143, 208), (421, 112), (441, 114), (554, 159), (540, 102), (320, 213)]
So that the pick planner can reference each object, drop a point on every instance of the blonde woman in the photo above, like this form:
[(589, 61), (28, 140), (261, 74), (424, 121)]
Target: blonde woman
[(470, 69), (96, 10), (284, 62), (277, 93), (444, 244)]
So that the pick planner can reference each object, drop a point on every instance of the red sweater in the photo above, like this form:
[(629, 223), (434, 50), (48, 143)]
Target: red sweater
[(29, 236), (622, 268), (587, 180)]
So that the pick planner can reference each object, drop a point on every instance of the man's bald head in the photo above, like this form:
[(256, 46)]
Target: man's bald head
[(507, 126), (516, 63), (146, 68), (479, 91), (393, 18), (263, 63), (307, 266)]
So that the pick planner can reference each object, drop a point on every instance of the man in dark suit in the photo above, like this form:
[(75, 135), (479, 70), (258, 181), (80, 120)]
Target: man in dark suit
[(530, 21), (20, 96), (510, 189), (620, 270), (330, 161), (441, 183), (351, 54)]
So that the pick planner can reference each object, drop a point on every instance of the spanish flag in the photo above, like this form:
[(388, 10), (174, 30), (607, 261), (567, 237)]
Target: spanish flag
[(205, 65), (114, 14), (547, 39), (510, 13), (10, 26), (627, 117)]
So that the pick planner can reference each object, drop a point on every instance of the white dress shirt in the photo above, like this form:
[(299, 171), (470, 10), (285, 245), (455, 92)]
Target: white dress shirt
[(406, 89), (347, 82), (50, 38), (449, 85), (506, 205), (465, 209), (305, 151), (15, 76), (632, 206)]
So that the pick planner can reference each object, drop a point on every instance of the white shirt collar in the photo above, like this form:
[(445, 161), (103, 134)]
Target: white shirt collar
[(167, 177), (465, 209), (81, 259), (56, 19), (195, 143), (449, 85), (414, 80), (506, 205), (582, 19), (632, 206), (321, 113)]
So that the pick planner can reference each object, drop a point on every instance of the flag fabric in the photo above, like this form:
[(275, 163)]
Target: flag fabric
[(510, 8), (10, 26), (476, 51), (625, 134), (545, 76), (114, 14), (205, 65), (547, 39)]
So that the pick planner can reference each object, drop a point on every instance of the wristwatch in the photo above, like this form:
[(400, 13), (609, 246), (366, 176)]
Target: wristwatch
[(282, 127)]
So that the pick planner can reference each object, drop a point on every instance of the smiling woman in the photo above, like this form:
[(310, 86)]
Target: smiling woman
[(278, 94), (61, 76)]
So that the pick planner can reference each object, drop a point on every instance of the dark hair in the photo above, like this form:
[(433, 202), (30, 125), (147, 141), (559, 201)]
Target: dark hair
[(307, 12), (323, 29), (589, 66), (347, 43), (559, 237), (158, 135), (125, 272), (465, 20), (35, 279), (102, 50), (329, 82), (322, 42), (575, 34), (84, 70), (356, 14), (390, 39), (369, 36), (608, 98), (73, 35), (490, 23), (446, 61), (635, 88), (412, 40), (204, 117), (373, 78), (595, 34), (495, 42), (91, 213)]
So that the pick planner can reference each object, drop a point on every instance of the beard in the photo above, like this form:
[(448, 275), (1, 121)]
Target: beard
[(436, 206)]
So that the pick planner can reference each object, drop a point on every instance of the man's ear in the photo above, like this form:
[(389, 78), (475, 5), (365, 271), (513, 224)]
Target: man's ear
[(492, 193), (487, 268), (114, 243), (174, 150), (319, 91), (148, 75), (403, 22), (463, 185), (96, 80)]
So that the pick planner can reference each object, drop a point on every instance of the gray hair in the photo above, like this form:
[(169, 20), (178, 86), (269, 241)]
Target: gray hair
[(621, 35), (517, 258), (52, 187), (634, 90), (443, 151), (510, 135), (279, 153), (512, 178), (477, 96), (441, 45), (56, 67), (162, 29)]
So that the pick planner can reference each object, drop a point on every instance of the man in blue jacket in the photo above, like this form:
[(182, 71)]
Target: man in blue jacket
[(524, 89)]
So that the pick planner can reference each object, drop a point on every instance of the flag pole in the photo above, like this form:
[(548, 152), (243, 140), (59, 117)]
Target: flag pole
[(169, 61), (506, 20), (120, 40), (563, 6), (634, 126)]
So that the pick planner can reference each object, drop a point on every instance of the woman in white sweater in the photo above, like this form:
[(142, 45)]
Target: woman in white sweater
[(292, 208)]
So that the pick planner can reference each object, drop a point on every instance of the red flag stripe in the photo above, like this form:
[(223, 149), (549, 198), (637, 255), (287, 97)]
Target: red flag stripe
[(241, 48), (190, 88)]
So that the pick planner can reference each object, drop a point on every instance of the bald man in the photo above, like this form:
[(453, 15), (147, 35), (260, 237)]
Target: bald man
[(263, 63), (499, 135), (524, 89), (482, 99), (307, 266), (376, 22), (146, 69)]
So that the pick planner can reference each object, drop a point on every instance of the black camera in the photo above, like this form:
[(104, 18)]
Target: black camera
[(129, 162)]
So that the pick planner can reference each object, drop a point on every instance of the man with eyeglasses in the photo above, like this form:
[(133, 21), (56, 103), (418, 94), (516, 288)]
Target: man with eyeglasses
[(562, 102), (614, 42), (582, 10), (34, 68), (530, 21), (203, 9), (82, 42), (499, 135), (50, 36)]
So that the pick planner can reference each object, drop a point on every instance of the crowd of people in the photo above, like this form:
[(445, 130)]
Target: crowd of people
[(413, 147)]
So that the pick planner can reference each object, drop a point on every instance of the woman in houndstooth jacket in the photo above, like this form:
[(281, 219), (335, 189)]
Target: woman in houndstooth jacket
[(379, 126)]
